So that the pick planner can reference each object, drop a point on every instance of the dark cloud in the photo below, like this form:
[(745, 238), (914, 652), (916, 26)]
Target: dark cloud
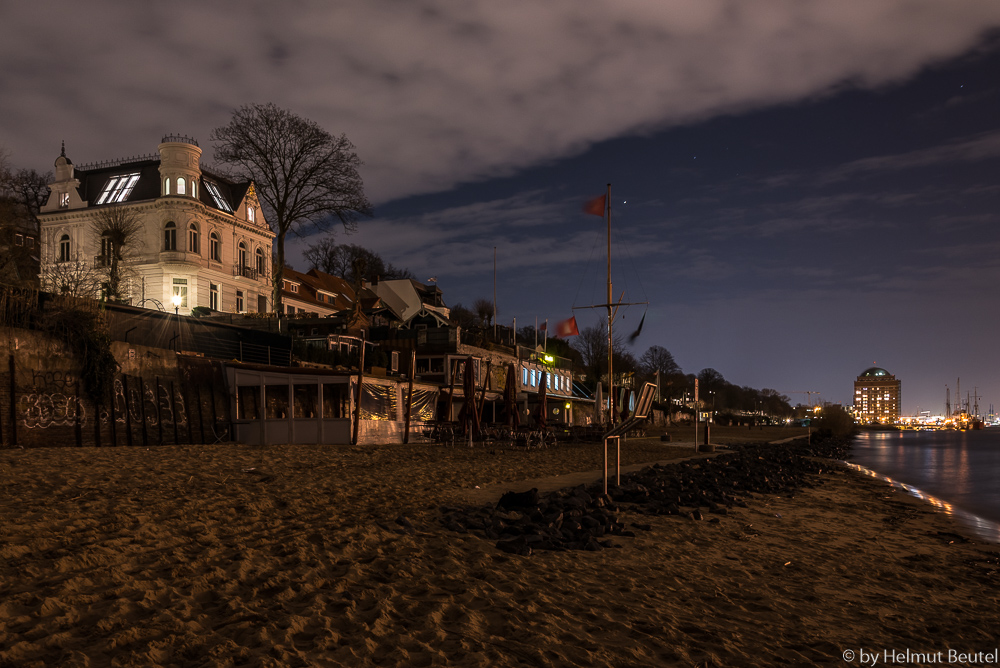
[(433, 93)]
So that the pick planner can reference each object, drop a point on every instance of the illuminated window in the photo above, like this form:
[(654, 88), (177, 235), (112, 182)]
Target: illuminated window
[(63, 200), (181, 290), (251, 214), (181, 186), (524, 376), (194, 188), (118, 188), (220, 201), (166, 186)]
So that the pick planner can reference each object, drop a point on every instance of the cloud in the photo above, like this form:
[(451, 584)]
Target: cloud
[(435, 94)]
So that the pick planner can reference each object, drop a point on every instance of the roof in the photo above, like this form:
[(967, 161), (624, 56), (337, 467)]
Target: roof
[(874, 372), (94, 180), (315, 281)]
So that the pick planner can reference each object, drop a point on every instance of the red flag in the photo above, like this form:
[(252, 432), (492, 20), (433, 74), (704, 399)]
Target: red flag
[(596, 206), (567, 328)]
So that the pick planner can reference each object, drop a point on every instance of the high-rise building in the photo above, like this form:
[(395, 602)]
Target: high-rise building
[(876, 397)]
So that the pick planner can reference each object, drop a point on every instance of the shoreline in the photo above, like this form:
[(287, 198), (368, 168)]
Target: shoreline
[(295, 555)]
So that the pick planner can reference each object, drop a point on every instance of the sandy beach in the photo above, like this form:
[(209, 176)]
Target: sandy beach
[(296, 556)]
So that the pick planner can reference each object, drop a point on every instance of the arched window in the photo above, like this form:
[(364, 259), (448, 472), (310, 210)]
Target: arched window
[(243, 255), (181, 189), (64, 248), (194, 188), (166, 186), (260, 262), (170, 236), (214, 247), (251, 214), (193, 246)]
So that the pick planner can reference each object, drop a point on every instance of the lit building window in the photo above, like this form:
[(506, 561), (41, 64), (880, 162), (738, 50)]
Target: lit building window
[(181, 290), (63, 200), (251, 214), (181, 185), (166, 186), (220, 201), (118, 188), (194, 188)]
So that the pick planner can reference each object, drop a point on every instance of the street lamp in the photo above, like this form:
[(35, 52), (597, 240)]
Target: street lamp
[(176, 299)]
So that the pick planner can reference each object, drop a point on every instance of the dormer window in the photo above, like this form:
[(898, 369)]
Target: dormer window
[(251, 214), (63, 200), (220, 201), (118, 188)]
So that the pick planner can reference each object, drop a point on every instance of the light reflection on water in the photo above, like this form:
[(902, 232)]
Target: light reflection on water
[(957, 471)]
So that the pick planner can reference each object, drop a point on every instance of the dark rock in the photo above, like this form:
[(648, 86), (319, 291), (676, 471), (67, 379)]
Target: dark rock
[(517, 545), (519, 500)]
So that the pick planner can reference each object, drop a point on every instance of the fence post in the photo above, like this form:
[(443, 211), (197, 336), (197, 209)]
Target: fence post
[(77, 426), (112, 420), (13, 401), (173, 403), (128, 412), (142, 410), (159, 417)]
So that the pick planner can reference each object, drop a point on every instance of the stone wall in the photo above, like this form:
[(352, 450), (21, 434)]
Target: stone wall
[(158, 397)]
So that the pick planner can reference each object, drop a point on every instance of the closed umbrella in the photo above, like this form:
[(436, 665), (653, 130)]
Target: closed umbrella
[(469, 416), (510, 398)]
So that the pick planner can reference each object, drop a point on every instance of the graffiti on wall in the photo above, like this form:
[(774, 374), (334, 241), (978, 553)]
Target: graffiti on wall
[(41, 410)]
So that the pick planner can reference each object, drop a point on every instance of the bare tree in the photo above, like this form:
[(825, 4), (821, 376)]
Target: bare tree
[(118, 230), (658, 358), (352, 262), (22, 193), (484, 311), (306, 178), (73, 278)]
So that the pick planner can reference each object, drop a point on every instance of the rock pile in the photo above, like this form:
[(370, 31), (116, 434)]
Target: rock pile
[(584, 518)]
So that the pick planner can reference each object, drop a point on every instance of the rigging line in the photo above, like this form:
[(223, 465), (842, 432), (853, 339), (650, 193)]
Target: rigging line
[(631, 262), (598, 241)]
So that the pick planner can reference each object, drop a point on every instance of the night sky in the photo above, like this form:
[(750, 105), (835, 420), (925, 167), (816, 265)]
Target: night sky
[(799, 190)]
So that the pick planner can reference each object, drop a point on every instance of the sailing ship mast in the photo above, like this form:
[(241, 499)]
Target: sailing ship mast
[(612, 309)]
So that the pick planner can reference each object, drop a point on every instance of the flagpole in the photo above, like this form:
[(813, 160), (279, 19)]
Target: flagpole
[(611, 394), (495, 295)]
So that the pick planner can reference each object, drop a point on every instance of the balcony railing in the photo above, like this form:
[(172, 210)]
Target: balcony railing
[(246, 272)]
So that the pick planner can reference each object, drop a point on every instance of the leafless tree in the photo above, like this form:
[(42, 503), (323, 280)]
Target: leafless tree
[(658, 358), (352, 262), (118, 230), (484, 311), (73, 278), (306, 178), (22, 193)]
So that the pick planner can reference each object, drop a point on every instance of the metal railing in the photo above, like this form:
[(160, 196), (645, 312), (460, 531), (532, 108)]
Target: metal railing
[(246, 272)]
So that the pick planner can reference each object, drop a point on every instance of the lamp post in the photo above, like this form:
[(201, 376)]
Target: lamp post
[(176, 299)]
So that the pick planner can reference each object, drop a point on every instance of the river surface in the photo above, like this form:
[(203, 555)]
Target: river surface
[(958, 471)]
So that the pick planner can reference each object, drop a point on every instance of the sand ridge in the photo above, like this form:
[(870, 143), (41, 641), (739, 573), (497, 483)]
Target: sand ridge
[(293, 556)]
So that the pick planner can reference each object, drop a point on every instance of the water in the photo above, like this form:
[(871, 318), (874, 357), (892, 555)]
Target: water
[(958, 471)]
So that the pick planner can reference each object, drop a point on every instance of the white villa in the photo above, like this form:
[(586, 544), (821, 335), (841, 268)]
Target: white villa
[(204, 241)]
